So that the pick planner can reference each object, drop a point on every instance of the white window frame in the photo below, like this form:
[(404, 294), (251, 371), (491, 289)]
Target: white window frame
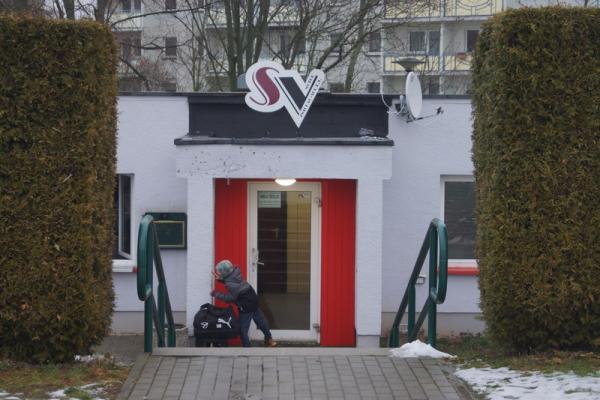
[(470, 263), (128, 264), (427, 42)]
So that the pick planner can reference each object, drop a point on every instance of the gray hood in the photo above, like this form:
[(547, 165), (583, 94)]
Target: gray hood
[(235, 284)]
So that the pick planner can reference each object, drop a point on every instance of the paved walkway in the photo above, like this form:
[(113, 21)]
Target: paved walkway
[(285, 373)]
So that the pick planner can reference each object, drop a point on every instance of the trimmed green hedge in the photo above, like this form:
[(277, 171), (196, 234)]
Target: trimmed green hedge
[(57, 173), (536, 150)]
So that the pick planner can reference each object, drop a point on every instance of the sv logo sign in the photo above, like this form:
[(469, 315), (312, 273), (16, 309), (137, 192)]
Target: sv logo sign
[(273, 87)]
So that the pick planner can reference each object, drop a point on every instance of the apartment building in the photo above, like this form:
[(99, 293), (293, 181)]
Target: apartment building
[(179, 45)]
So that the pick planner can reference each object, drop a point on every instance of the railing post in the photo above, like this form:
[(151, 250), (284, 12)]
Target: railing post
[(411, 311), (432, 312), (149, 300), (161, 314)]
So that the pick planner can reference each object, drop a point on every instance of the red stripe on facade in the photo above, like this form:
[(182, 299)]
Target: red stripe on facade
[(463, 271), (337, 262), (231, 241)]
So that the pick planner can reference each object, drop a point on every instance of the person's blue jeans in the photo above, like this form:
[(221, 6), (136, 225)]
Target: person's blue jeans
[(259, 320)]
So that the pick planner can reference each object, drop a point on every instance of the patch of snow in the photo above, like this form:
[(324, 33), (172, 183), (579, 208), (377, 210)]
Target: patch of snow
[(93, 389), (418, 349), (3, 393), (58, 394), (88, 386), (89, 358), (503, 383)]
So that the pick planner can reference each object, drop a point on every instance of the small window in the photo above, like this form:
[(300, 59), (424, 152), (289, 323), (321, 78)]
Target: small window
[(126, 6), (137, 5), (131, 44), (122, 207), (170, 4), (431, 84), (433, 48), (459, 217), (336, 87), (136, 44), (302, 45), (375, 42), (171, 46), (130, 84), (374, 87), (336, 38), (284, 44), (417, 42), (169, 86), (472, 36)]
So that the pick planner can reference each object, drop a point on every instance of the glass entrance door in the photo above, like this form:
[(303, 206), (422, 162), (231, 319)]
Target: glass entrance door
[(284, 257)]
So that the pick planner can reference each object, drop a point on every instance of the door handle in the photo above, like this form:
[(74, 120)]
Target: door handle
[(255, 260)]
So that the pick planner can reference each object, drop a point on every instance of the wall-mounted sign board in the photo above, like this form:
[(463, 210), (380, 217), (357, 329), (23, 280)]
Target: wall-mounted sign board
[(171, 229)]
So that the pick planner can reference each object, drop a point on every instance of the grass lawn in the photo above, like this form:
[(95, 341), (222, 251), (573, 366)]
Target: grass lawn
[(478, 351), (27, 381)]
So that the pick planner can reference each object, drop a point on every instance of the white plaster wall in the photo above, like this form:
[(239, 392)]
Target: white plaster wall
[(147, 128), (271, 161), (424, 151)]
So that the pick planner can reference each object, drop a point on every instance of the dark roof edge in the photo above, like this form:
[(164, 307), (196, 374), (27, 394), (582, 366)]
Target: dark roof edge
[(347, 141)]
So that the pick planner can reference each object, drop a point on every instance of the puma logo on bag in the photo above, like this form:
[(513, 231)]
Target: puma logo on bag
[(222, 321)]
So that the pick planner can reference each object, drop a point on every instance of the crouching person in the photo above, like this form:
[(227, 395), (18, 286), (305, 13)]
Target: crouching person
[(243, 295)]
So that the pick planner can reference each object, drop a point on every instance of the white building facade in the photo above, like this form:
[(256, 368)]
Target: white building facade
[(349, 229)]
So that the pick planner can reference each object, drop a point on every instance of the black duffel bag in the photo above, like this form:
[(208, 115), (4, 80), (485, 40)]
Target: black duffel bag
[(215, 324)]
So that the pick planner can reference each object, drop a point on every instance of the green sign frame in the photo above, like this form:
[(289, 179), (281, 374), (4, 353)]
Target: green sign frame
[(171, 229)]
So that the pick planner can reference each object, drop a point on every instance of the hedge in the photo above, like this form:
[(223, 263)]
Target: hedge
[(536, 151), (57, 175)]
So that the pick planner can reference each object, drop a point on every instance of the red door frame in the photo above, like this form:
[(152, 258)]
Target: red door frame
[(338, 244)]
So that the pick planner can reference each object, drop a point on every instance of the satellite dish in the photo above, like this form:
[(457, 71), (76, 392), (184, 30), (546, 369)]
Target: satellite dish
[(413, 95)]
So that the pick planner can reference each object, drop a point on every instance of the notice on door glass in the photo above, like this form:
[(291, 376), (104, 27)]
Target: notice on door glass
[(269, 199)]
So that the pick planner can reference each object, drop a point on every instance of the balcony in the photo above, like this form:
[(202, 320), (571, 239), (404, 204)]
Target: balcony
[(280, 16), (132, 21), (444, 9), (459, 62), (300, 65)]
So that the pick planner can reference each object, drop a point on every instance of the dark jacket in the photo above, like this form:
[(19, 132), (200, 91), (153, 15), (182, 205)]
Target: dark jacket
[(239, 292)]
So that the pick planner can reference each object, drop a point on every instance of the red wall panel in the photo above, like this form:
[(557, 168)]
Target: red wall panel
[(338, 262), (231, 207)]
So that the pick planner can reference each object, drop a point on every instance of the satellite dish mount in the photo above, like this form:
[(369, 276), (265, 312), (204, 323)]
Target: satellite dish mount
[(411, 102)]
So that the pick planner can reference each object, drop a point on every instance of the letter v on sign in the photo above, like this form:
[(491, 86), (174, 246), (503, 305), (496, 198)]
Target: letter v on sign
[(273, 87)]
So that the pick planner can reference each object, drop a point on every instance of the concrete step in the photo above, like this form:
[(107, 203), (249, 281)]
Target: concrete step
[(268, 351)]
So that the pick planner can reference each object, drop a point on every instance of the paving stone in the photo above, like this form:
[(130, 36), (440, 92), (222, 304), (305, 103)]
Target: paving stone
[(291, 377)]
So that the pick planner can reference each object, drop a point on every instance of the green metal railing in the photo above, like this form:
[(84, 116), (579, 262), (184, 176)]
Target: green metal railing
[(436, 238), (149, 257)]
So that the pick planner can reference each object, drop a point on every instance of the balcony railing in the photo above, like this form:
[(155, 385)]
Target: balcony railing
[(452, 63), (281, 16), (300, 65), (441, 9)]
